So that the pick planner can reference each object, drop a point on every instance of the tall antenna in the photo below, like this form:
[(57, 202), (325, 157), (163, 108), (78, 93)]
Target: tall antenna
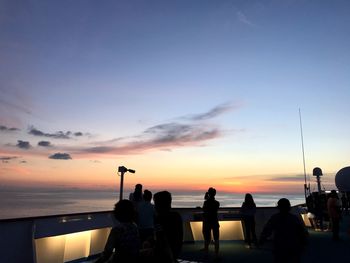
[(302, 148)]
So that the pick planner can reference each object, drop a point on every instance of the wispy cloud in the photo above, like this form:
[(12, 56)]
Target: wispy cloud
[(7, 129), (6, 159), (14, 100), (216, 111), (243, 19), (23, 144), (60, 156), (193, 130), (15, 106), (287, 178)]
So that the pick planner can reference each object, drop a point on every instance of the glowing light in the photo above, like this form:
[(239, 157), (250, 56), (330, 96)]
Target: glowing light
[(229, 230), (72, 246), (306, 220), (77, 245)]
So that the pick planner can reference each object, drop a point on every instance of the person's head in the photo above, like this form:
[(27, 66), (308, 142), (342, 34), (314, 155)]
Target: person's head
[(283, 205), (211, 192), (147, 195), (248, 199), (124, 211), (138, 188), (138, 192), (162, 201)]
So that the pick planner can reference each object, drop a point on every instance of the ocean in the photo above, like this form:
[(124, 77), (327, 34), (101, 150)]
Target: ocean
[(18, 203)]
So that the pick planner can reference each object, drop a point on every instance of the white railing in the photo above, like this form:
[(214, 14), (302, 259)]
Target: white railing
[(64, 238)]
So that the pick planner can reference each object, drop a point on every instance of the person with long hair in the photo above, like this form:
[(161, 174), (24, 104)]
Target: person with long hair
[(211, 221), (248, 210), (124, 238)]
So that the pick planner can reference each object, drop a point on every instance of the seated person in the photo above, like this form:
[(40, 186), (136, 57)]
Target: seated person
[(123, 238)]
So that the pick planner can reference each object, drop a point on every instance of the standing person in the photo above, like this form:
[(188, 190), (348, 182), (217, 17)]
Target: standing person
[(289, 234), (333, 207), (145, 216), (136, 196), (211, 221), (123, 238), (168, 229), (318, 211), (248, 210), (344, 203)]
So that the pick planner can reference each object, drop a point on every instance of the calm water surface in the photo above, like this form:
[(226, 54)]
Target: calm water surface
[(38, 202)]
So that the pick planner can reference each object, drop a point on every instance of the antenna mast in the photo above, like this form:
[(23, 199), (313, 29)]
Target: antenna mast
[(306, 189)]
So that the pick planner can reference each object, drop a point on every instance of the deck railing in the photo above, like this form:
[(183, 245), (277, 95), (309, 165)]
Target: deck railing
[(69, 237)]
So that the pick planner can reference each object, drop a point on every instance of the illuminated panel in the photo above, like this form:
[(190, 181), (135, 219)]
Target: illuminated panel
[(229, 230), (50, 249), (98, 240), (77, 245), (63, 248), (306, 220)]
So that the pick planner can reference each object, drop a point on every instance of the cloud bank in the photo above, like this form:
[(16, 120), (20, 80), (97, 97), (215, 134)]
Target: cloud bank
[(191, 130), (56, 135), (23, 144), (60, 156), (44, 143), (7, 129)]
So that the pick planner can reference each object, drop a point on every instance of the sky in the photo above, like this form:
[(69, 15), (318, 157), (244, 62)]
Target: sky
[(190, 94)]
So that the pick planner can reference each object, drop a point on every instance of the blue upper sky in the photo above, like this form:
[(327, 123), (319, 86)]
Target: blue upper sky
[(123, 69)]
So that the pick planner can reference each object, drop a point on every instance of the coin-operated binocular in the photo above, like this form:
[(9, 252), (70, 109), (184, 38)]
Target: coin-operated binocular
[(122, 170)]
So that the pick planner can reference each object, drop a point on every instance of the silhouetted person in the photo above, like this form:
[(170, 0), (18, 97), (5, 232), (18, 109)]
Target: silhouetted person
[(211, 221), (344, 203), (206, 196), (310, 203), (289, 234), (136, 196), (146, 213), (248, 211), (124, 237), (318, 202), (333, 207), (168, 229)]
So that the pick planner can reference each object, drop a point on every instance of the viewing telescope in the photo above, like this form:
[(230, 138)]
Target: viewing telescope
[(122, 170)]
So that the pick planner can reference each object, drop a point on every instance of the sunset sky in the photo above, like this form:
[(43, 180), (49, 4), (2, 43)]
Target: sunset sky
[(189, 93)]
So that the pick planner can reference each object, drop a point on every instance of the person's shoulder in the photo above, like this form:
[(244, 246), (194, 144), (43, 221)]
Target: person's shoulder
[(278, 216), (175, 215)]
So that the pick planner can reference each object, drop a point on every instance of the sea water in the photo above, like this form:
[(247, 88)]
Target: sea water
[(18, 203)]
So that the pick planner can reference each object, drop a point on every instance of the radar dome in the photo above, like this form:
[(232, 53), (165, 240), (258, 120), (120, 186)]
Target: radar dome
[(342, 179)]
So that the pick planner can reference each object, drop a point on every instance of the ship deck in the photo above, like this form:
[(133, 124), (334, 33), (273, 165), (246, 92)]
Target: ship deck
[(81, 237), (320, 248)]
